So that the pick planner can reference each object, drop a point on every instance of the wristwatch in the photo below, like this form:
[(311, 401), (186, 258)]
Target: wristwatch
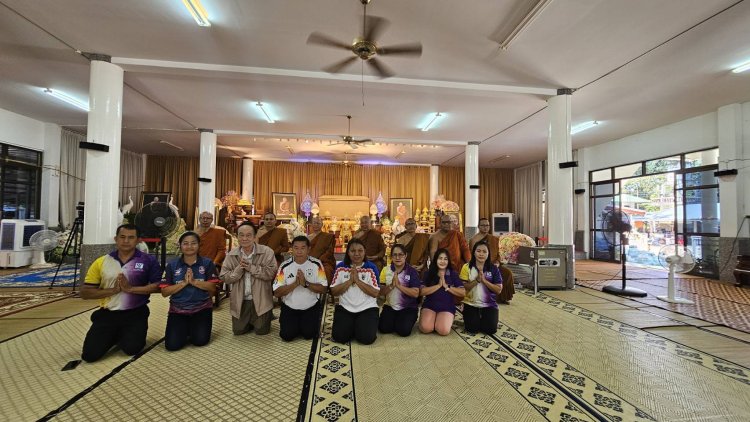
[(307, 284)]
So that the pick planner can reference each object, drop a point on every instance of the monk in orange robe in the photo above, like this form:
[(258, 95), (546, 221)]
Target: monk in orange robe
[(274, 237), (415, 244), (322, 246), (506, 294), (451, 240), (213, 246), (373, 240)]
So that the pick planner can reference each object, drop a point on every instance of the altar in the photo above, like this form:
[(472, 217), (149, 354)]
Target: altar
[(342, 206)]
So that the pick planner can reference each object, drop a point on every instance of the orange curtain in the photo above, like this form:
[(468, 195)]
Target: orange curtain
[(495, 194), (179, 175), (336, 179)]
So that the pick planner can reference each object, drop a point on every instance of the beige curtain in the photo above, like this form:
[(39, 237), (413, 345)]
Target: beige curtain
[(132, 180), (528, 197), (495, 193), (179, 175), (72, 176), (336, 179)]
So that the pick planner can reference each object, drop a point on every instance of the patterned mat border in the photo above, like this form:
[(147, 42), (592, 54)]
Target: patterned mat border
[(333, 397), (730, 369), (600, 397), (552, 403)]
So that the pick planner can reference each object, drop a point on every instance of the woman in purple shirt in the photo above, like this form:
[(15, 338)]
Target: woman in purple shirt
[(400, 285), (442, 286)]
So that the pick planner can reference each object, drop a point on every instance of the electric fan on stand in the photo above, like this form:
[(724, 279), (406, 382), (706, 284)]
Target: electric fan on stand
[(156, 222), (616, 225), (677, 259), (42, 242)]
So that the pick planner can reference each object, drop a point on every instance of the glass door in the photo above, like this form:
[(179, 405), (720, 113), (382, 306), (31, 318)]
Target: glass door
[(697, 217), (605, 198)]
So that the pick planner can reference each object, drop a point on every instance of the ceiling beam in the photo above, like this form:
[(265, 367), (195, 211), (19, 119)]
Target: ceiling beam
[(133, 65), (448, 143)]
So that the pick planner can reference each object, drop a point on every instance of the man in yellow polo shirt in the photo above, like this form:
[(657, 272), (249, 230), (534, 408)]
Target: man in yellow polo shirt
[(122, 281)]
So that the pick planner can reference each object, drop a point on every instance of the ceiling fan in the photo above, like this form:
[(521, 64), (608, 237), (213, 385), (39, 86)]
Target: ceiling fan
[(353, 143), (365, 47)]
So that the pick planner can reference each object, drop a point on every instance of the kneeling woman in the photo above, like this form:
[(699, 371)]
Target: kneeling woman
[(441, 288), (190, 285), (356, 282), (483, 283), (401, 290)]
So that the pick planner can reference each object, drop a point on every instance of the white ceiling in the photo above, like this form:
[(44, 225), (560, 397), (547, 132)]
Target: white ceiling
[(639, 64)]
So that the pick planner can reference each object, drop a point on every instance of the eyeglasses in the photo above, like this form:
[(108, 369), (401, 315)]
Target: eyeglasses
[(398, 255)]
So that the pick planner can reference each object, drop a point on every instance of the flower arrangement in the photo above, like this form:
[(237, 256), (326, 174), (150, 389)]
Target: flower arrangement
[(442, 204), (230, 199), (509, 243)]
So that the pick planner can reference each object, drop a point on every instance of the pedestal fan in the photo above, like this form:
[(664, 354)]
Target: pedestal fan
[(677, 259), (616, 224)]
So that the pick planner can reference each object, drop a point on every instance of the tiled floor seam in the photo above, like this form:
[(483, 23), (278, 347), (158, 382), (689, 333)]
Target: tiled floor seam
[(732, 370), (541, 393)]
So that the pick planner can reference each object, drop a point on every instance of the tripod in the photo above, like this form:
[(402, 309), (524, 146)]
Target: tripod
[(73, 244)]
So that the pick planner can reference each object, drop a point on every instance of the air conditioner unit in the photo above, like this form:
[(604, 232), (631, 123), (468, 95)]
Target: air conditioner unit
[(502, 222), (15, 234)]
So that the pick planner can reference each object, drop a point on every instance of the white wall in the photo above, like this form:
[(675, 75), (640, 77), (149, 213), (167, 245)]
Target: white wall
[(26, 132), (21, 131)]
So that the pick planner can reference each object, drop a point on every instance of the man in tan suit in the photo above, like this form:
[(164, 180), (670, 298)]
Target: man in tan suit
[(274, 237), (373, 240)]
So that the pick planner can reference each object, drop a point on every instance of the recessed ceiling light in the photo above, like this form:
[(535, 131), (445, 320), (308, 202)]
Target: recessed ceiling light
[(68, 99), (583, 126), (741, 68), (197, 12)]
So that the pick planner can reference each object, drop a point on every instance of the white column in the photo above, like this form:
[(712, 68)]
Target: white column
[(471, 178), (50, 203), (207, 186), (733, 132), (247, 178), (103, 168), (434, 182), (559, 181)]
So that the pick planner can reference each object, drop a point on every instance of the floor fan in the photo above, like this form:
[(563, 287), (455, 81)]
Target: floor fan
[(616, 224), (678, 259), (41, 242)]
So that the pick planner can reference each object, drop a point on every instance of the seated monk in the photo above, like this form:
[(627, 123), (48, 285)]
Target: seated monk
[(213, 245), (274, 237), (322, 246), (506, 294), (415, 244), (451, 240), (373, 241)]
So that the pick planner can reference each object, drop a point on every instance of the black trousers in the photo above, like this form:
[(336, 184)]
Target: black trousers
[(402, 322), (478, 320), (299, 322), (362, 326), (183, 328), (126, 329)]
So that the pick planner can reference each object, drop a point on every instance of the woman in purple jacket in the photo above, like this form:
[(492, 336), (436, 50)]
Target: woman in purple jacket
[(442, 286)]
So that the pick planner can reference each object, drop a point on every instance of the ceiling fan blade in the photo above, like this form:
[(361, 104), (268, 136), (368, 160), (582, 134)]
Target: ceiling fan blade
[(410, 49), (325, 40), (339, 66), (374, 26), (382, 70)]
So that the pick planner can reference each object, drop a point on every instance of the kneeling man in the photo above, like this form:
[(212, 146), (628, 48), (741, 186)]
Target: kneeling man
[(122, 281), (299, 282)]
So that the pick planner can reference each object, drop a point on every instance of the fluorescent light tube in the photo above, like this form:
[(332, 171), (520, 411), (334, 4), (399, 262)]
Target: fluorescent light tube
[(741, 68), (524, 23), (265, 113), (434, 119), (197, 11), (68, 99), (172, 145), (583, 126)]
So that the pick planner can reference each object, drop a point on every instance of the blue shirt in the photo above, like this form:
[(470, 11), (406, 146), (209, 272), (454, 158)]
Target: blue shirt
[(190, 299)]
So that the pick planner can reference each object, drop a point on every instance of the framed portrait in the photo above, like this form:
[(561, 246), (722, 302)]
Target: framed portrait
[(151, 197), (284, 205), (401, 209)]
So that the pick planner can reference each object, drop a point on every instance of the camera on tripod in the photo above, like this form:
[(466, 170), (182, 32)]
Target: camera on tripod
[(79, 208)]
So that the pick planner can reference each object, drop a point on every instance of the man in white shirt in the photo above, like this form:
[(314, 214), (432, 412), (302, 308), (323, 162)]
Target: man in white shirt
[(299, 282)]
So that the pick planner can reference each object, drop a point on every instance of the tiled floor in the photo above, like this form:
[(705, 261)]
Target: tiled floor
[(560, 355)]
